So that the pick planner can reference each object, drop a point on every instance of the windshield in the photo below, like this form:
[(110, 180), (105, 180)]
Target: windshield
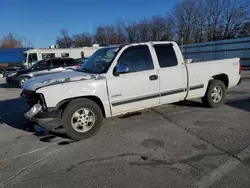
[(100, 61)]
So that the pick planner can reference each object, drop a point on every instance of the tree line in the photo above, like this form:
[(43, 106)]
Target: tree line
[(191, 21), (13, 41)]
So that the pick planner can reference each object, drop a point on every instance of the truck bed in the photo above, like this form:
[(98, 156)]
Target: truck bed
[(228, 67)]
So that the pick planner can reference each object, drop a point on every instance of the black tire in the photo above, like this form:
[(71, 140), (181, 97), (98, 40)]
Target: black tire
[(207, 100), (73, 107), (21, 79)]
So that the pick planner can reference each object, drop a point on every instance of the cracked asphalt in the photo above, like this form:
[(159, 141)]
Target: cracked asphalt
[(176, 145)]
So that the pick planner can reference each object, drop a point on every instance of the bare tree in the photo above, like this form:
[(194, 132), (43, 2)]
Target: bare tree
[(155, 28), (199, 23), (81, 40), (213, 18), (108, 35), (13, 41), (144, 30), (235, 14), (161, 28), (120, 33), (104, 35), (209, 20), (64, 41), (184, 18), (191, 21), (131, 31), (100, 36), (245, 30)]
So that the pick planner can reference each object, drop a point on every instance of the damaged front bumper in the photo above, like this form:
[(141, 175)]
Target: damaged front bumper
[(50, 119), (33, 111)]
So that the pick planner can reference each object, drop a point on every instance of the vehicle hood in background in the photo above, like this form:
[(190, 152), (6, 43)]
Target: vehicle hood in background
[(23, 71), (57, 78)]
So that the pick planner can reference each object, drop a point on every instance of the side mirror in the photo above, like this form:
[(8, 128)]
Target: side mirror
[(121, 68)]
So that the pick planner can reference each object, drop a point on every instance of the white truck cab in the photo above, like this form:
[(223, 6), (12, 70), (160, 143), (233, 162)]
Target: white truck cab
[(125, 78)]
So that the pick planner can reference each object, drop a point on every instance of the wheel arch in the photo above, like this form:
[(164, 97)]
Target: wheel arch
[(62, 104), (222, 77), (24, 75)]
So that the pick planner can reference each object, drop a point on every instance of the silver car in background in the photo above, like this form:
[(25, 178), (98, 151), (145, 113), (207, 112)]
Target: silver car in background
[(43, 67)]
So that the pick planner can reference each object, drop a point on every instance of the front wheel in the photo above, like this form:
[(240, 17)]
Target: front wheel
[(215, 94), (82, 118)]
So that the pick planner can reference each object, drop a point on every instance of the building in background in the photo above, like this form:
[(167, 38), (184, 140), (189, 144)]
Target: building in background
[(34, 55), (223, 49), (12, 55)]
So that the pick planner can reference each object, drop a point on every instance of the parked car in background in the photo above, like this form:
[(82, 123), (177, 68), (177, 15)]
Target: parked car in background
[(125, 78), (43, 67)]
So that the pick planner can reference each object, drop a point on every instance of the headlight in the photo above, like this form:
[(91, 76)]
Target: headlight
[(33, 111)]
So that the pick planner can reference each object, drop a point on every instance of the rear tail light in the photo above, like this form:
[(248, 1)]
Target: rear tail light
[(77, 65)]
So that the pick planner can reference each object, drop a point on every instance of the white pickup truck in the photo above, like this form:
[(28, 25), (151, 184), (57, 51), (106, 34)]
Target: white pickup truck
[(119, 79)]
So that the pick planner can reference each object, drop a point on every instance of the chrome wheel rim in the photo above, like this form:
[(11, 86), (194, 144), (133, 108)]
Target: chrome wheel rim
[(217, 94), (83, 120)]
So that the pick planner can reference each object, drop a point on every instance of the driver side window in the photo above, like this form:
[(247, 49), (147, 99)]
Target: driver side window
[(137, 58)]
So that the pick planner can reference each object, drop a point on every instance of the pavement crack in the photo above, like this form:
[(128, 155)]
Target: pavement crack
[(27, 153), (187, 160), (39, 177), (103, 159), (193, 166), (29, 166), (198, 136), (200, 157)]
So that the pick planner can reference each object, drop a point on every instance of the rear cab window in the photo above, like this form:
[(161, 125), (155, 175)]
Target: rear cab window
[(166, 55)]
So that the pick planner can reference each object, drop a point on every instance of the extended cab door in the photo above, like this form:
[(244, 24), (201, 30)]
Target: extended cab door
[(171, 73), (138, 88)]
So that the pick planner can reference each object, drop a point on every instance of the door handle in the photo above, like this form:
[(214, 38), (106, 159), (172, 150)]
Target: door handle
[(153, 77)]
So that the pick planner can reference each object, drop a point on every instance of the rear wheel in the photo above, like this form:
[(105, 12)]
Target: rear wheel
[(22, 80), (82, 118), (215, 94)]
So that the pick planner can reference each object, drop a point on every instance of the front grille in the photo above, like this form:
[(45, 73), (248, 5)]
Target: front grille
[(33, 98)]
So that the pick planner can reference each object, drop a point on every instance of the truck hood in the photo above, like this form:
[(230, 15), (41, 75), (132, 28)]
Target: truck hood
[(57, 78)]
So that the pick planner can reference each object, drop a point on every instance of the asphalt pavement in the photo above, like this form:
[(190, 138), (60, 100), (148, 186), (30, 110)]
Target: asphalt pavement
[(177, 145)]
